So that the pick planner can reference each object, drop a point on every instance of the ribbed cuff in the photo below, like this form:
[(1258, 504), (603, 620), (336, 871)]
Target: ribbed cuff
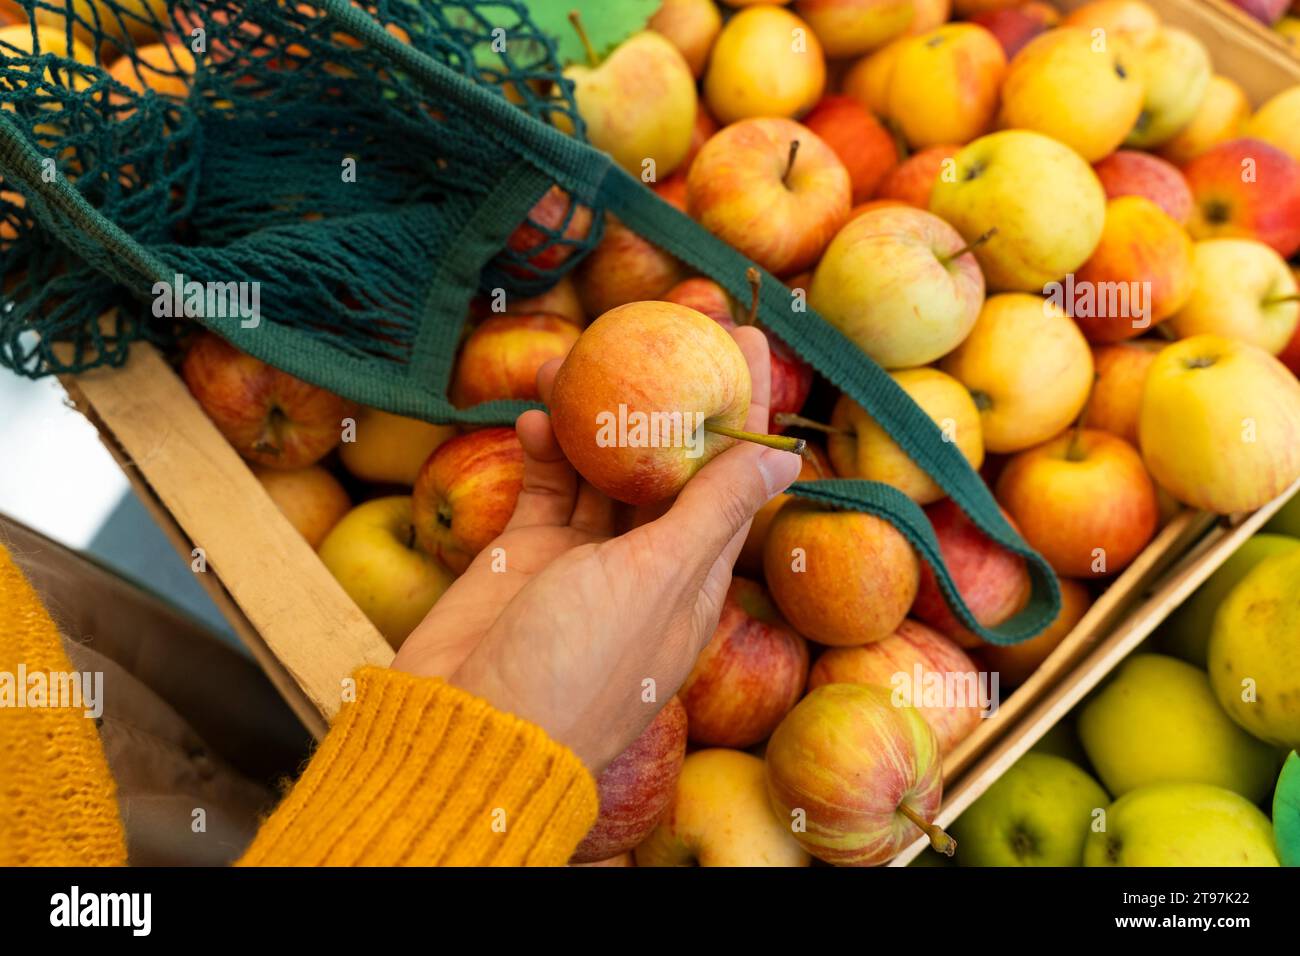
[(416, 772)]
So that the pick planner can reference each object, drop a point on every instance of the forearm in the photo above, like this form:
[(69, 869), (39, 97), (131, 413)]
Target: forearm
[(418, 773)]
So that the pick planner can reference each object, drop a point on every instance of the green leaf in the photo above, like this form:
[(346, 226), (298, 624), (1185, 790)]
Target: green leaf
[(1286, 812), (607, 22)]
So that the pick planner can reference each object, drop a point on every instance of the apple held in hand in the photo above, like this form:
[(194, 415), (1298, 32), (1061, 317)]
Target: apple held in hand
[(748, 676), (391, 449), (1182, 824), (860, 448), (864, 146), (1116, 400), (270, 417), (840, 577), (765, 62), (863, 775), (638, 104), (1222, 116), (1045, 202), (465, 494), (637, 787), (648, 395), (1127, 172), (1139, 274), (914, 651), (373, 554), (1083, 500), (792, 377), (943, 85), (1083, 94), (311, 498), (720, 816), (1028, 368), (1038, 813), (772, 189), (901, 284), (1220, 424), (501, 357), (1241, 289), (992, 581), (1245, 188)]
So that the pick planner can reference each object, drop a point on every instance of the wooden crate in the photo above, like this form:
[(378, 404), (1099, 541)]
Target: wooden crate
[(309, 636), (1267, 36)]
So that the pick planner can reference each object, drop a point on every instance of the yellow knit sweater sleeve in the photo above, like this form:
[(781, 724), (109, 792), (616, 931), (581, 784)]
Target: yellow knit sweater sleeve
[(416, 772), (413, 772)]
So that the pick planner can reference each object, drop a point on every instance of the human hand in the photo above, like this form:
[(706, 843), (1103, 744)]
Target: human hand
[(585, 634)]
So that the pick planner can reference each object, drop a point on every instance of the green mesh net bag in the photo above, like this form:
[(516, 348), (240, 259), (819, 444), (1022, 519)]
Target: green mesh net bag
[(327, 185)]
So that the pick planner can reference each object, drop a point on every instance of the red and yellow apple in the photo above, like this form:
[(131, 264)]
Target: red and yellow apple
[(1220, 424), (1117, 392), (854, 27), (858, 773), (1014, 27), (1222, 116), (1242, 289), (894, 662), (691, 26), (500, 358), (839, 577), (772, 189), (270, 417), (1016, 663), (860, 448), (1246, 189), (549, 235), (1127, 172), (814, 467), (637, 787), (748, 676), (864, 146), (465, 494), (868, 80), (766, 62), (993, 582), (912, 181), (1028, 368), (310, 498), (1083, 500), (1131, 19), (943, 86)]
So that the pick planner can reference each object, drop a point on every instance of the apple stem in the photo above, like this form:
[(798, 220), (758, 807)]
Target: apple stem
[(781, 442), (1279, 299), (789, 161), (789, 419), (755, 280), (1165, 332), (970, 246), (576, 19), (1072, 449), (938, 838)]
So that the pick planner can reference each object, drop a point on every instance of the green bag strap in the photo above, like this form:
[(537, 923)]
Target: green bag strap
[(854, 373)]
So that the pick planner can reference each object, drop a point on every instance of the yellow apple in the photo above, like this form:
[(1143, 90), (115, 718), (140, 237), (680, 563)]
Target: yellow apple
[(1132, 19), (929, 15), (1221, 116), (1278, 122), (1027, 366), (868, 80), (766, 62), (372, 553), (943, 87), (691, 26), (116, 20), (639, 104), (391, 448), (854, 27), (1241, 289), (1083, 94), (720, 816), (862, 449), (1175, 69), (1220, 424), (311, 498), (1045, 203)]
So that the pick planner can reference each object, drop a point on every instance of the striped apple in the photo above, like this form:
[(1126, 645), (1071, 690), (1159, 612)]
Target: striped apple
[(857, 777)]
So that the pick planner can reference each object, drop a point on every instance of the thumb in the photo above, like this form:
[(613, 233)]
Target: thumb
[(719, 501)]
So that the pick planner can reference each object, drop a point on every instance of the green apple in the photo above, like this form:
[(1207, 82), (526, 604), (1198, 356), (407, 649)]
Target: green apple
[(1286, 812), (1182, 824), (1157, 722), (1287, 519), (1045, 203), (1186, 633), (1254, 653), (1174, 68), (1038, 813)]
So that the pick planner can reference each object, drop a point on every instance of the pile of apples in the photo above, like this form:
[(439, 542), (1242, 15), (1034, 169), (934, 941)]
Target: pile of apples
[(1064, 237), (1168, 764)]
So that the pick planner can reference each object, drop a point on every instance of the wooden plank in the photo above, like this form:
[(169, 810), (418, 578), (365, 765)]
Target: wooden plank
[(1177, 587), (295, 618), (1121, 596)]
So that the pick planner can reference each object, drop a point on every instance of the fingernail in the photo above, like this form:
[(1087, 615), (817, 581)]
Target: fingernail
[(779, 470)]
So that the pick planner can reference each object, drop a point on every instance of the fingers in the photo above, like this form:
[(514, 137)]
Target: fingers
[(753, 345), (546, 379), (594, 512), (550, 484), (717, 504)]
